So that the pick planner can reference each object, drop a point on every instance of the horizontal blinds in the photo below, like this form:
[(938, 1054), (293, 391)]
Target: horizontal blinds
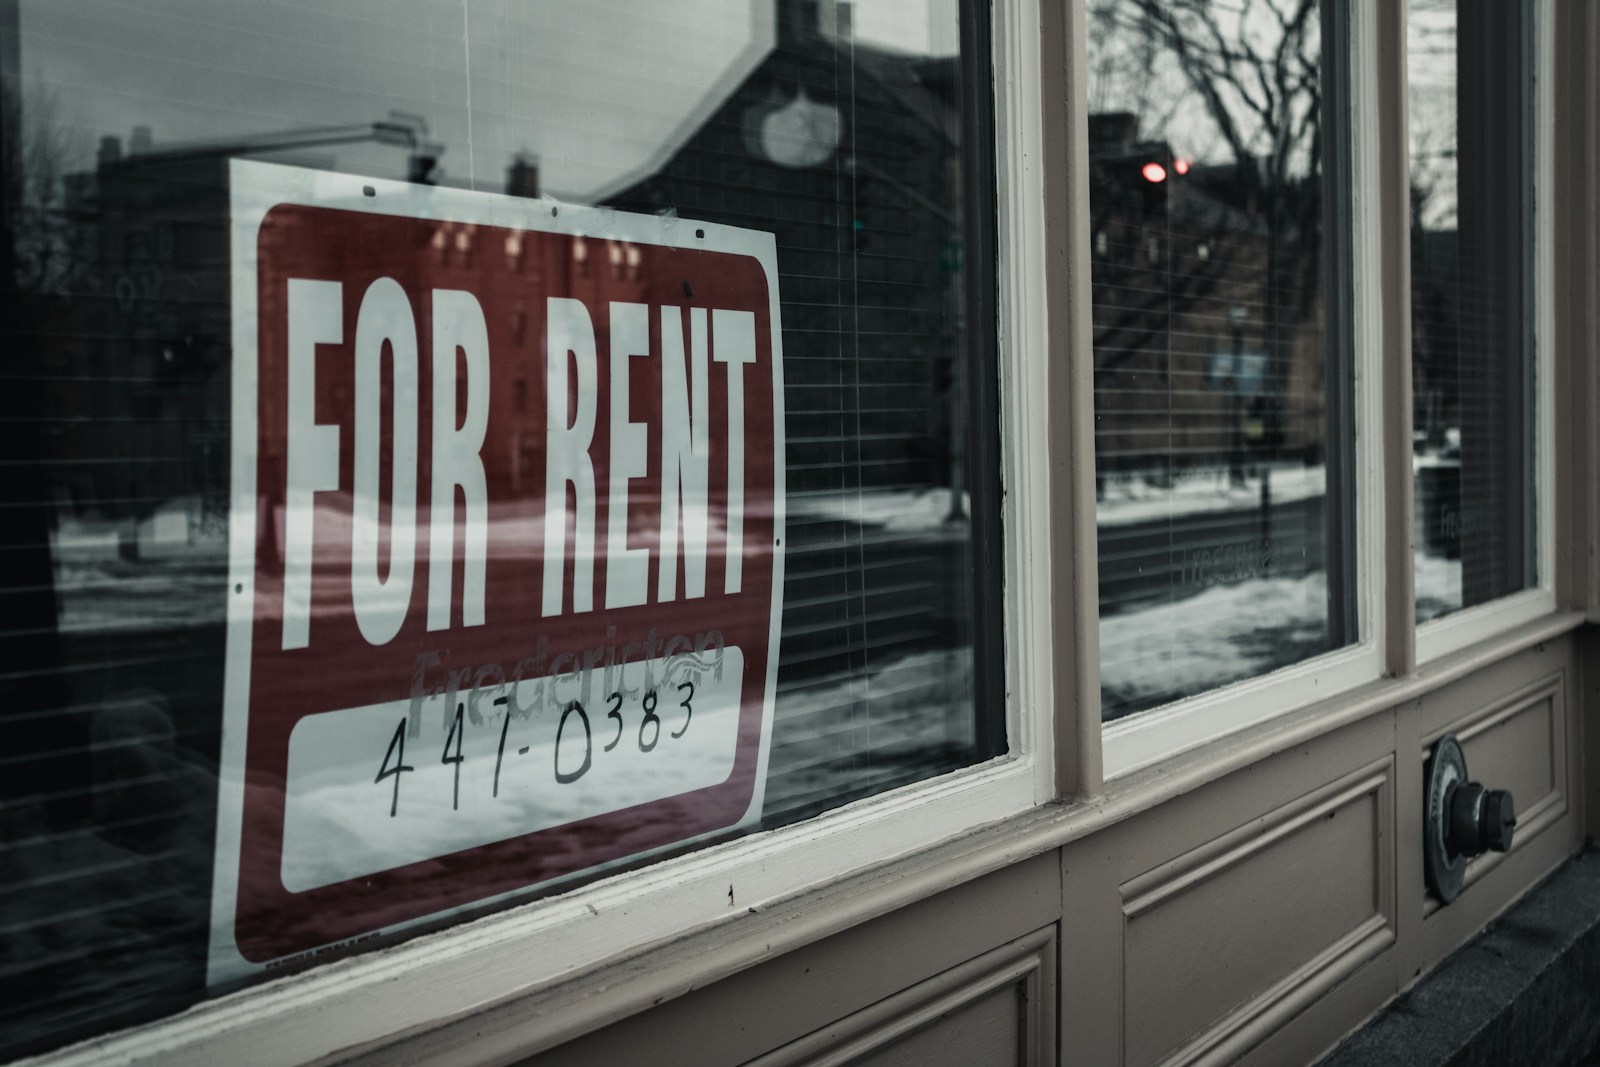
[(875, 682), (115, 437), (1471, 341), (1211, 353)]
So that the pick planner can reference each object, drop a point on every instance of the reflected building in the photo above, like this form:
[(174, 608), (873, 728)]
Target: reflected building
[(1200, 363), (861, 184), (157, 226), (133, 385), (862, 196), (1210, 374)]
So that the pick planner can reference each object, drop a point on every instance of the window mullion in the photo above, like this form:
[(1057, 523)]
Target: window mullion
[(1382, 96), (1070, 351)]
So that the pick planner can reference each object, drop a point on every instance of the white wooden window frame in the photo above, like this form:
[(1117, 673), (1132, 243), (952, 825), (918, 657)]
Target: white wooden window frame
[(435, 978), (1151, 737), (432, 979), (1144, 740), (1483, 622)]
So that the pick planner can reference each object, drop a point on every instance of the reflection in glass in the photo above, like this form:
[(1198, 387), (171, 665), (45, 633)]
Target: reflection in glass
[(1471, 344), (843, 130), (1218, 443)]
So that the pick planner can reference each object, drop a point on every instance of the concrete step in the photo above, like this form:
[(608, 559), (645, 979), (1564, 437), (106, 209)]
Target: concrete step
[(1526, 991)]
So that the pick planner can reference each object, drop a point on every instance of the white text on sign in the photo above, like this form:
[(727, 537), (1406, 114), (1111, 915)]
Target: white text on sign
[(690, 339)]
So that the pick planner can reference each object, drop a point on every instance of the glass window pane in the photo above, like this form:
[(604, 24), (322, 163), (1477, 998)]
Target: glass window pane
[(1471, 339), (468, 181), (1221, 433)]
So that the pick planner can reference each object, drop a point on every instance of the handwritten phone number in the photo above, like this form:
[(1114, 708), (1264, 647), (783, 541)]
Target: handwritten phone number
[(573, 716)]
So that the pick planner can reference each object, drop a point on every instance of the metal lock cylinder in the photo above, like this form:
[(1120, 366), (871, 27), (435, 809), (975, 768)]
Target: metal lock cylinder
[(1461, 820)]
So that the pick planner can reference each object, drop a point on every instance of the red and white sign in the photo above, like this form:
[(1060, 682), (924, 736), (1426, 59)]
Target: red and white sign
[(505, 556)]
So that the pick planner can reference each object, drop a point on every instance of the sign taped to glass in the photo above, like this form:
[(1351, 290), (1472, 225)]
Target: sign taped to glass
[(505, 550)]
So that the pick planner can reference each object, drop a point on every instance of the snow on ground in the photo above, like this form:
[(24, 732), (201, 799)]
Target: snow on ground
[(1155, 652), (117, 576), (896, 510), (1162, 652), (1135, 499), (1166, 651), (1124, 502), (1438, 583), (897, 719)]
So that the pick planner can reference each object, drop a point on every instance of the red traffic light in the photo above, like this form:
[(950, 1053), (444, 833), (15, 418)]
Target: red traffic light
[(1153, 172), (1181, 166)]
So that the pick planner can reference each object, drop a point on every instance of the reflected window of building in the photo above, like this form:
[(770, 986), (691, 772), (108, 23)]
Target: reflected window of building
[(1224, 508), (857, 135), (1471, 324)]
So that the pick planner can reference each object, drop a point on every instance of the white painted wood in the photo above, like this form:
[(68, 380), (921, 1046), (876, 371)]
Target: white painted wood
[(1025, 390), (1475, 625), (1161, 734), (1151, 737), (1375, 435)]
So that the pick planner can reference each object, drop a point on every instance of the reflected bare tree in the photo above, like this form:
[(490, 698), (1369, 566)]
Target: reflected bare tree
[(1435, 210), (1255, 67), (31, 155), (51, 248), (1241, 86)]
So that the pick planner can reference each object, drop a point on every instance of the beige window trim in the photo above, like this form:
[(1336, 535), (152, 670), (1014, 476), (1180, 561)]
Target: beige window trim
[(1076, 588), (521, 1026), (1393, 184)]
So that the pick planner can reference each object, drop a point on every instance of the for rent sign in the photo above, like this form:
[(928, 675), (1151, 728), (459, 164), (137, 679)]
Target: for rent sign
[(506, 550)]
